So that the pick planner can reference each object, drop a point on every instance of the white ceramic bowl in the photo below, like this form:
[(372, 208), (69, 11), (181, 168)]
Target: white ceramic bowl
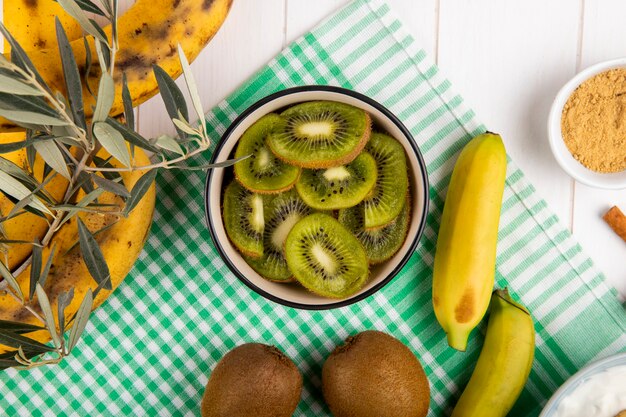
[(612, 181), (578, 378), (292, 294)]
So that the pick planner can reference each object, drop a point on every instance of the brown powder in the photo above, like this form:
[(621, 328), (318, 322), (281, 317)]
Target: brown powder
[(594, 122)]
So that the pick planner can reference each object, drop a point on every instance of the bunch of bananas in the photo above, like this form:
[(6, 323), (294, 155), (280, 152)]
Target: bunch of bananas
[(463, 280)]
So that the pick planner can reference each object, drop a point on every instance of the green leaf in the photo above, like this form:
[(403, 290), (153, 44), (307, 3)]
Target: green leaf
[(139, 190), (27, 103), (97, 232), (16, 171), (80, 321), (92, 255), (191, 85), (17, 190), (10, 279), (16, 340), (72, 76), (104, 56), (170, 144), (88, 61), (46, 309), (181, 125), (50, 152), (47, 266), (13, 85), (111, 186), (35, 270), (31, 118), (90, 7), (73, 9), (86, 200), (19, 57), (106, 96), (65, 298), (132, 137), (112, 141), (129, 114), (171, 94), (18, 327)]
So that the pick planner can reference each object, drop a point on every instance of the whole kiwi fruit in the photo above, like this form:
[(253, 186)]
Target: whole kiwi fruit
[(374, 375), (253, 380)]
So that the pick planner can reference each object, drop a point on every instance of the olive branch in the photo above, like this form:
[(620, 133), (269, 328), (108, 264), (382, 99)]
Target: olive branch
[(68, 142)]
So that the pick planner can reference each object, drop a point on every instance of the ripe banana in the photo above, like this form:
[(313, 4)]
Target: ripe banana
[(464, 269), (121, 244), (504, 362), (148, 34), (31, 22), (27, 226)]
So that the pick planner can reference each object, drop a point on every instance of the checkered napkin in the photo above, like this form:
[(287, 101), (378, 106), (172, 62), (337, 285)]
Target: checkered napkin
[(149, 349)]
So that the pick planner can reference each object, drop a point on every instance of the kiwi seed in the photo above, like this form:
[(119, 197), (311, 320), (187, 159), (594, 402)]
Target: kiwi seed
[(243, 219)]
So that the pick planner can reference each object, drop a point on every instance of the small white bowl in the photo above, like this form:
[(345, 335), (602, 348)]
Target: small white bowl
[(578, 378), (609, 181), (293, 294)]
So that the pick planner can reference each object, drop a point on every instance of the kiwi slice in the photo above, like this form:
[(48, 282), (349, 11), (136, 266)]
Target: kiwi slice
[(320, 134), (338, 187), (387, 198), (325, 257), (281, 213), (380, 244), (243, 219), (262, 172)]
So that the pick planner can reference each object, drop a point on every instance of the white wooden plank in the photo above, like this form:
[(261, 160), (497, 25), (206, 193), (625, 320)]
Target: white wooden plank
[(604, 37), (303, 15), (508, 60), (251, 35)]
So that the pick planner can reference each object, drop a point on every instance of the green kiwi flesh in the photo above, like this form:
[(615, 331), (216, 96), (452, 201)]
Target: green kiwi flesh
[(244, 219), (387, 198), (320, 134), (338, 187), (325, 257), (262, 172), (382, 243), (281, 214)]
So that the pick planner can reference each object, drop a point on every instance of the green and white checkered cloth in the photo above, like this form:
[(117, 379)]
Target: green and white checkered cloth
[(151, 347)]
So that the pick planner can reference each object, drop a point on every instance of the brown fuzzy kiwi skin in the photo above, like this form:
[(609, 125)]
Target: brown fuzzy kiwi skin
[(253, 380), (374, 375), (335, 163)]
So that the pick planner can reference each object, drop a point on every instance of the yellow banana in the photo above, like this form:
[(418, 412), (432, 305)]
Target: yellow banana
[(27, 226), (121, 244), (464, 268), (148, 34), (504, 362), (31, 22)]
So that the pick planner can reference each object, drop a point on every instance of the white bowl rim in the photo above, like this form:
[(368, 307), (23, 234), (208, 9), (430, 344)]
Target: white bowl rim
[(573, 381), (582, 174), (424, 209)]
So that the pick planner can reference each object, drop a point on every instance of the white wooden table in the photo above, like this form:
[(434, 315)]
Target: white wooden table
[(507, 58)]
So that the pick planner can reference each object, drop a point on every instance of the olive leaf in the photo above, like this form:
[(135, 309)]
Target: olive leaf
[(93, 257), (17, 190), (106, 96), (18, 327), (72, 76), (88, 61), (27, 118), (90, 7), (46, 309), (80, 320), (104, 56), (65, 298), (50, 152), (113, 141), (15, 340), (127, 100), (191, 85), (111, 186), (139, 190), (131, 136), (10, 279), (73, 9), (184, 126), (39, 277), (12, 85), (19, 57), (14, 170), (168, 143), (171, 95), (35, 270)]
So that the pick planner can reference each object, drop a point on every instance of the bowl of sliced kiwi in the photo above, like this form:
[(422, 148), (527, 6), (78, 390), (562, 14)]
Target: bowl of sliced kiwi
[(329, 203)]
